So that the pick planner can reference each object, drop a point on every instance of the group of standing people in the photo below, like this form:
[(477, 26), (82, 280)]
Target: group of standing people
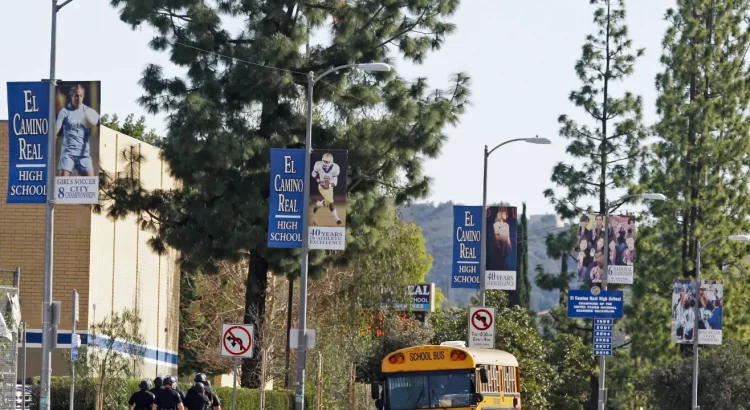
[(166, 395), (621, 235)]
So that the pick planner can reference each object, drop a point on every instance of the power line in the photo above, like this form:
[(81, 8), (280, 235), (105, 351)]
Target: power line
[(239, 59)]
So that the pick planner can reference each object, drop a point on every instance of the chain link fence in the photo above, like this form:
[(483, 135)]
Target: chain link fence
[(10, 321)]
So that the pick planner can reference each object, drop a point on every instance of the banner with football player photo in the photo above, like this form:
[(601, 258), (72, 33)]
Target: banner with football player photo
[(328, 199), (501, 250), (78, 108), (710, 301)]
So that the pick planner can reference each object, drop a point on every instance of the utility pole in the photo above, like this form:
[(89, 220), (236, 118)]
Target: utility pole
[(47, 326)]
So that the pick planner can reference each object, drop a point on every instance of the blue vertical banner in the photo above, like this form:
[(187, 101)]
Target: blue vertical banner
[(467, 237), (286, 198), (28, 123)]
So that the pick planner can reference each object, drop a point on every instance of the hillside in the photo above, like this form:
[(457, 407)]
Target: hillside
[(436, 222)]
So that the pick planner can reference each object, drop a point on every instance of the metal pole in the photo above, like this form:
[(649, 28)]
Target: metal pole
[(263, 373), (49, 225), (23, 370), (483, 254), (302, 339), (72, 360), (289, 308), (234, 384), (319, 392), (696, 332), (605, 276)]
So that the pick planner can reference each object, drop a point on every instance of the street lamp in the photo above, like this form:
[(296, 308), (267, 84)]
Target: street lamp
[(49, 330), (605, 275), (483, 240), (696, 332), (302, 339)]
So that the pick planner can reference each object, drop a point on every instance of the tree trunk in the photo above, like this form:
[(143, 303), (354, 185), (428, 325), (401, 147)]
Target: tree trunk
[(255, 310)]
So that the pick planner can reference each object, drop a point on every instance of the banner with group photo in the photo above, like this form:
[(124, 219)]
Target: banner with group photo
[(328, 199), (710, 300), (621, 234), (502, 261), (28, 129), (78, 108)]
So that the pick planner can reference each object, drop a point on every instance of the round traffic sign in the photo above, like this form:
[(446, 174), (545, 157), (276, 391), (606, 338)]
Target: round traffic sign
[(237, 340), (481, 319)]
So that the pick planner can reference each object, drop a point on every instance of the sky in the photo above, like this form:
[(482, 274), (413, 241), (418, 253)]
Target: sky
[(519, 54)]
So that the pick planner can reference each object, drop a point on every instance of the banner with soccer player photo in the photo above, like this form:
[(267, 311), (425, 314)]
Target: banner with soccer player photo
[(327, 199), (710, 302), (78, 108), (621, 234), (501, 260)]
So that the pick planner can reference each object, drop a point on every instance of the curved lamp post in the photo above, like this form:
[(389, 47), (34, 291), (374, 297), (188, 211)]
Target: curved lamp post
[(696, 332), (483, 240), (302, 338)]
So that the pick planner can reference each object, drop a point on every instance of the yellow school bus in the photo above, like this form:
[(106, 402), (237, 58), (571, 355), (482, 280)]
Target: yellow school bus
[(448, 376)]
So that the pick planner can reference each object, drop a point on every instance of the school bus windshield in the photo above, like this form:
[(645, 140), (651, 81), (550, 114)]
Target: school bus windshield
[(429, 390)]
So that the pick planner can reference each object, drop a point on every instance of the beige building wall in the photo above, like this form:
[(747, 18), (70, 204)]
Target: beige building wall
[(108, 262)]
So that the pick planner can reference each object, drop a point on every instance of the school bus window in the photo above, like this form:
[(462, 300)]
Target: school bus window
[(495, 379), (435, 389), (481, 387), (510, 380)]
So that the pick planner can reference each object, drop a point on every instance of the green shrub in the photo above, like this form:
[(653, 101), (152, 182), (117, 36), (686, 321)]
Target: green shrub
[(85, 397)]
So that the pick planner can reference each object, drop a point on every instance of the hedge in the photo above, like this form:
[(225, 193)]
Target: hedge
[(118, 395)]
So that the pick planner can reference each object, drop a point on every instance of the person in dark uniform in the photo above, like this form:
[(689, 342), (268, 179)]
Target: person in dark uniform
[(215, 402), (144, 399), (168, 399), (157, 385), (196, 398), (176, 388), (212, 397)]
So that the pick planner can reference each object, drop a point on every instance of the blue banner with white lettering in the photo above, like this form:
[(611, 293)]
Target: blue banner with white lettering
[(421, 298), (584, 304), (287, 198), (28, 126), (467, 237)]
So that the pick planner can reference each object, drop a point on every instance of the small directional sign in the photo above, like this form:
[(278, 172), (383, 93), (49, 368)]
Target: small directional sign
[(236, 340), (602, 337)]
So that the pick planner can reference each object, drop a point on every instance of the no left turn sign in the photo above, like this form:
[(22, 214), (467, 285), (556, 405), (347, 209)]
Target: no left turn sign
[(482, 319), (482, 327), (236, 340)]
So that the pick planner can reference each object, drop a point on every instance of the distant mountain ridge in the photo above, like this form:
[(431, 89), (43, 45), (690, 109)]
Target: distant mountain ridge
[(436, 221)]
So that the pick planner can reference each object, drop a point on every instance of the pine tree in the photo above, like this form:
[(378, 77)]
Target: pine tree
[(559, 246), (605, 155), (241, 96), (700, 163), (133, 129), (522, 295)]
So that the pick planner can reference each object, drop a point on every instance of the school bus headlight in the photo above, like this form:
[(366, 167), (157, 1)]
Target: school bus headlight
[(396, 358), (457, 355)]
